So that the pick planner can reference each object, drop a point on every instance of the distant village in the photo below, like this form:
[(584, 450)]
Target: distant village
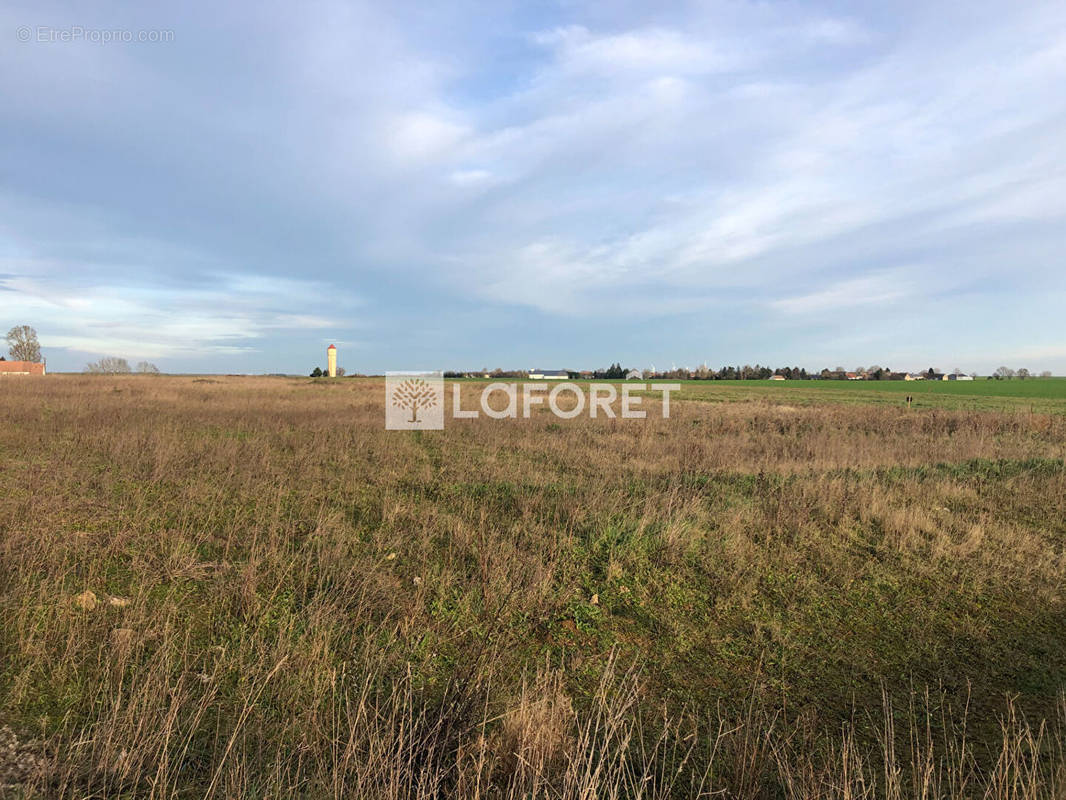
[(747, 372)]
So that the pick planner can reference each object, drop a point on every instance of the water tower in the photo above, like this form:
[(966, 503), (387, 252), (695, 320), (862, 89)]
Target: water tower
[(331, 356)]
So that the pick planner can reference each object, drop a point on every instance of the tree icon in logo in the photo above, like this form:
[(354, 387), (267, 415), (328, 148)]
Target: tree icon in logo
[(414, 394)]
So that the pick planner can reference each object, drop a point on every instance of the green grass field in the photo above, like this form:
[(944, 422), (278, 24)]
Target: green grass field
[(1038, 395)]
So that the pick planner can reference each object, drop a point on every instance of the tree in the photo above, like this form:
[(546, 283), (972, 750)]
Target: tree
[(1004, 372), (316, 372), (340, 372), (109, 365), (1045, 374), (147, 368), (23, 345), (1022, 373), (413, 394), (614, 372)]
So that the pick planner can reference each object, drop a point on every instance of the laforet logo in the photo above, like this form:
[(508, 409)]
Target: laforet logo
[(413, 394), (414, 401)]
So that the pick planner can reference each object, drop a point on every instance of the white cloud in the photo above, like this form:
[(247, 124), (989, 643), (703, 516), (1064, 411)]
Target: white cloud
[(871, 290), (147, 323), (651, 50), (471, 177), (836, 31), (866, 161), (420, 135)]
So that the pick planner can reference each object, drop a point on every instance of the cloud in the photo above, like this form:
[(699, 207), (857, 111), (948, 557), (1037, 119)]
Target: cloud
[(837, 31), (471, 177), (236, 315), (416, 136), (866, 163), (651, 50), (872, 290), (273, 174)]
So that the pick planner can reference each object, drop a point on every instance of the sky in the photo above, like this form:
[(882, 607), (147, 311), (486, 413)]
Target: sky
[(556, 185)]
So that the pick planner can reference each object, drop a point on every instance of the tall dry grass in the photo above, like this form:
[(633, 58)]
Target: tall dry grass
[(246, 587)]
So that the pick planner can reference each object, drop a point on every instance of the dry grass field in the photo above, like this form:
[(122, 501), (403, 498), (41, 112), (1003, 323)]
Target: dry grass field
[(246, 587)]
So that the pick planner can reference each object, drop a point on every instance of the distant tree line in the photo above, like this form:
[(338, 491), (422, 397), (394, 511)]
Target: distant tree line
[(485, 372), (614, 372), (23, 345), (748, 372), (1006, 373), (318, 372), (112, 365)]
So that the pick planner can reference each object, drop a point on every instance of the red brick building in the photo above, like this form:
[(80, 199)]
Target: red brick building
[(20, 368)]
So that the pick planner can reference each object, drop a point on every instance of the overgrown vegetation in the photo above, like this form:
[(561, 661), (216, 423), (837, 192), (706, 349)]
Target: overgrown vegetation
[(248, 588)]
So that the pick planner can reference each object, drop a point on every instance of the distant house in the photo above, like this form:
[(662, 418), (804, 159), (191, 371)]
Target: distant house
[(957, 378), (854, 376), (548, 374), (914, 376), (777, 377), (634, 375), (20, 368)]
